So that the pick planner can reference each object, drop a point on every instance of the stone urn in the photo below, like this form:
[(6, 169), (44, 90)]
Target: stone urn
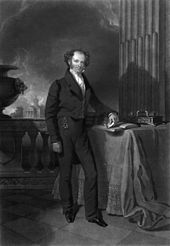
[(10, 88)]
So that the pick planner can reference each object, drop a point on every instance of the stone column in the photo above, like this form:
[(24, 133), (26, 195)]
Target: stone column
[(144, 45), (167, 60)]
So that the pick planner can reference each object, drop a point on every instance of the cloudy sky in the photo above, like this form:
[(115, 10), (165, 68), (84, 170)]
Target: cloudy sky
[(34, 34)]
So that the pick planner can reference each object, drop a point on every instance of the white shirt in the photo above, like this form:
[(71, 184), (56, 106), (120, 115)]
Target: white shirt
[(80, 81)]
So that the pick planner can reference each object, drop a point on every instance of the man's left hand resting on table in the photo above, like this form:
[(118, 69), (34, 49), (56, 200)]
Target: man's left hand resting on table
[(113, 119)]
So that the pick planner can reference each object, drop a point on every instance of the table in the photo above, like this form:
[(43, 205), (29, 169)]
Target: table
[(133, 172)]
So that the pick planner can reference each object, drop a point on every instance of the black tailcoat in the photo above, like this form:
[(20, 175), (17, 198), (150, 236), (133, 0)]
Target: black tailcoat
[(65, 99)]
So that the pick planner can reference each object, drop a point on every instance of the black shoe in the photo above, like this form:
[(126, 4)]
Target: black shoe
[(69, 217), (98, 221)]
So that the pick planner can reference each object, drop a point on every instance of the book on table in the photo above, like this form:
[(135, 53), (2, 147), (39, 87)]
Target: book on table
[(121, 126)]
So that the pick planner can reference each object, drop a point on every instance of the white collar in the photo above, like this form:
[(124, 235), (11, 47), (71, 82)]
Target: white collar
[(75, 74)]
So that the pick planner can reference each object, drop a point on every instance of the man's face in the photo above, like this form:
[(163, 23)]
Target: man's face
[(77, 62)]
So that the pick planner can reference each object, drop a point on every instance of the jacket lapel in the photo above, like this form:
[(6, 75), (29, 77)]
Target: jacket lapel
[(72, 84), (88, 89)]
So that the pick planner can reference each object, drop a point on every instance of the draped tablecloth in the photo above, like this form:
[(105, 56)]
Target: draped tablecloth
[(133, 173)]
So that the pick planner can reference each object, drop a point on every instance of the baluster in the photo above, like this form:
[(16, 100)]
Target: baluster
[(45, 156), (18, 146), (25, 156), (33, 134), (39, 148)]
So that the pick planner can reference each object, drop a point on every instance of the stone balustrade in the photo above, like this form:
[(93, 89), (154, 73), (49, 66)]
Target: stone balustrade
[(26, 158)]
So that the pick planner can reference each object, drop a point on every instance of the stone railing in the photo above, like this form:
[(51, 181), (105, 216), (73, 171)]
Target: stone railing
[(26, 158)]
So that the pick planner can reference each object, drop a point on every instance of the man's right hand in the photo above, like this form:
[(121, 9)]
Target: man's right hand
[(57, 147)]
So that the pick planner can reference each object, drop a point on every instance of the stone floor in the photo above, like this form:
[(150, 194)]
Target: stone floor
[(34, 218)]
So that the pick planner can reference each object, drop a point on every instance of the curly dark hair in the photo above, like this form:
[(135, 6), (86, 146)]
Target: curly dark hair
[(69, 54)]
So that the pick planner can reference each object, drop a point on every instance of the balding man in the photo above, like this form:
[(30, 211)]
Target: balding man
[(66, 109)]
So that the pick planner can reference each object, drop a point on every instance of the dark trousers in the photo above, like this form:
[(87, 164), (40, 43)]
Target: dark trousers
[(75, 140)]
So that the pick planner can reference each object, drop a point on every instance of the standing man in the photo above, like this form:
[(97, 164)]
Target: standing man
[(66, 109)]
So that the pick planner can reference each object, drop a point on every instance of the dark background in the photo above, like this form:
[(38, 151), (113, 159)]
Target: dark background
[(34, 35)]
